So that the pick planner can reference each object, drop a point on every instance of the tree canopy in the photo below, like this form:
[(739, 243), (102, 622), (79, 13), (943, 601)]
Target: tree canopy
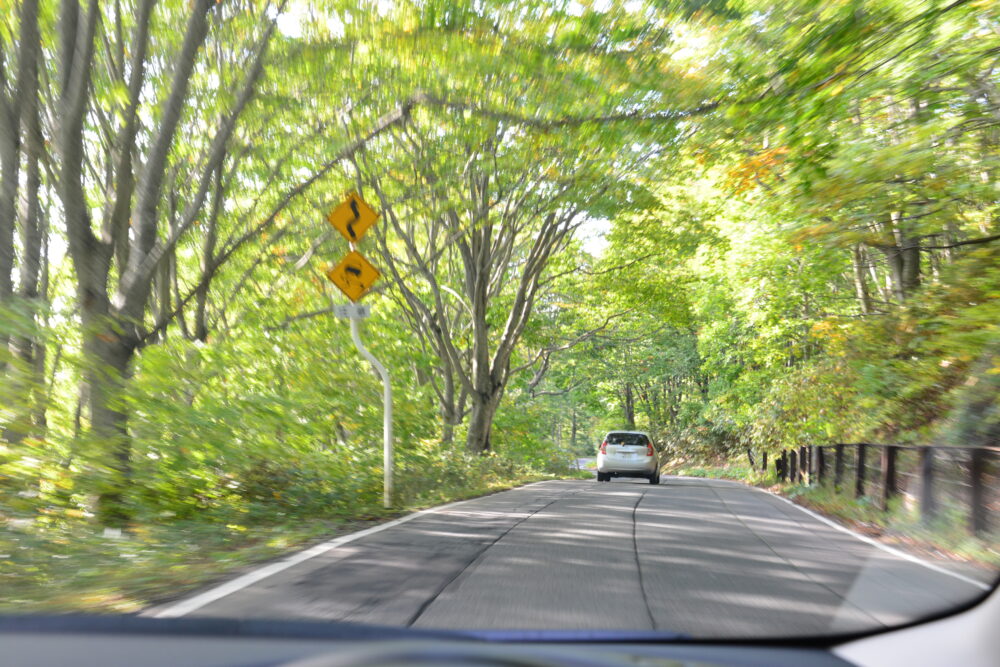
[(736, 224)]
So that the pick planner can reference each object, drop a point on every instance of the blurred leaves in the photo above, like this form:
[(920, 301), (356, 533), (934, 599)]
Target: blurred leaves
[(750, 291)]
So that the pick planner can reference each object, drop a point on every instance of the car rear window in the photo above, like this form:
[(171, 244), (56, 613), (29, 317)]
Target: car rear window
[(626, 439)]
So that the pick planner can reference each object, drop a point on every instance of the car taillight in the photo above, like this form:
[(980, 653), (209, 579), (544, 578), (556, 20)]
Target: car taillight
[(649, 449), (604, 447)]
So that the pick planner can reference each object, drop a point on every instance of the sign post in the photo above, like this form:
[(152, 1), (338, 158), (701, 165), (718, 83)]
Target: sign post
[(356, 312), (354, 276)]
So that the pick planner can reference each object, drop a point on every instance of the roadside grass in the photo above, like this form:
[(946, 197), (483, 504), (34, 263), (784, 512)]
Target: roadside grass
[(66, 566), (739, 473), (75, 567), (944, 538)]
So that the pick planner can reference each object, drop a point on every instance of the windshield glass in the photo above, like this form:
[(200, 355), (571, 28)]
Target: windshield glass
[(629, 439), (649, 316)]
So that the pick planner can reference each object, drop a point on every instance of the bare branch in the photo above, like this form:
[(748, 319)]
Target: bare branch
[(977, 241), (284, 324), (233, 245), (663, 115), (150, 185)]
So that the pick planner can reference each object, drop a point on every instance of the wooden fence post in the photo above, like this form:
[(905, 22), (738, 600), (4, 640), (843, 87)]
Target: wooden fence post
[(977, 496), (859, 477), (888, 470), (927, 507), (793, 466), (763, 461), (838, 466), (804, 464), (782, 466)]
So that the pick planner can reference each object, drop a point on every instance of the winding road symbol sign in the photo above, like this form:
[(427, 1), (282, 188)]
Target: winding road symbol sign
[(354, 275), (352, 217)]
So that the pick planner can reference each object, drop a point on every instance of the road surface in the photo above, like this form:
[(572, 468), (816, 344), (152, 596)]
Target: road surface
[(701, 557)]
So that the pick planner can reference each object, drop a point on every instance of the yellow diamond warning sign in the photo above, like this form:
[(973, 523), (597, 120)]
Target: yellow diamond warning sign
[(353, 217), (354, 275)]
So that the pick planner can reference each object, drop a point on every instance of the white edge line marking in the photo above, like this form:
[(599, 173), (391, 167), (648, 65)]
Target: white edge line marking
[(198, 601), (863, 538)]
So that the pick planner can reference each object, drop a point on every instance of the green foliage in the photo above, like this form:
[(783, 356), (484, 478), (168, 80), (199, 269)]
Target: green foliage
[(73, 566), (730, 471), (801, 209)]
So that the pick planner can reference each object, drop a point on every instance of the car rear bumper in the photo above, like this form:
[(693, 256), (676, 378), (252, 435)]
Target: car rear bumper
[(642, 468)]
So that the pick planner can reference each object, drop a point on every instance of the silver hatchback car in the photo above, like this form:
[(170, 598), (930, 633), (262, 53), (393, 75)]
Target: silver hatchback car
[(628, 454)]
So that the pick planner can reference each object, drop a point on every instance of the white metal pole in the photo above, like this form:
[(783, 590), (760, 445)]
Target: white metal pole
[(386, 413)]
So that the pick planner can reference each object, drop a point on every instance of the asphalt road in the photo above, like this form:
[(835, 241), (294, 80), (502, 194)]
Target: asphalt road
[(705, 558)]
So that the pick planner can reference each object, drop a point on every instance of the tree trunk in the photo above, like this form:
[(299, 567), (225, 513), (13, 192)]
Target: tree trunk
[(628, 406), (573, 430), (20, 133), (895, 262), (107, 359), (451, 416), (860, 283), (162, 288), (909, 254), (903, 257), (208, 260), (43, 390), (12, 109), (881, 286), (447, 432), (27, 381), (481, 423), (447, 409)]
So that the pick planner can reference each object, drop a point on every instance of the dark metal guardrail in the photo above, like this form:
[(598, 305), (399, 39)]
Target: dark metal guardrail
[(930, 475)]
